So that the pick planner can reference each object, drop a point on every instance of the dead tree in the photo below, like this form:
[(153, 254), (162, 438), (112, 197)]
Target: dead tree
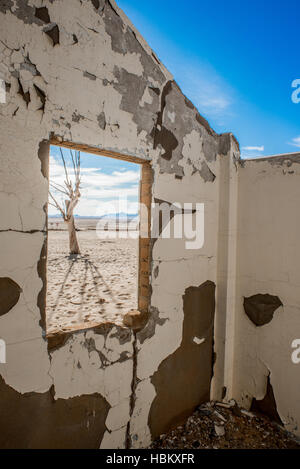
[(71, 190)]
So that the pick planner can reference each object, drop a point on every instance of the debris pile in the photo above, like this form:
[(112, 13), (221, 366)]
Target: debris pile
[(226, 426)]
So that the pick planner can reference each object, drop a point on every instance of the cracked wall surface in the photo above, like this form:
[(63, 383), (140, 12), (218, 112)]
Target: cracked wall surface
[(77, 71)]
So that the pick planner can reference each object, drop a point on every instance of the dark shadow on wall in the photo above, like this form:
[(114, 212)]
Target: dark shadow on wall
[(182, 381)]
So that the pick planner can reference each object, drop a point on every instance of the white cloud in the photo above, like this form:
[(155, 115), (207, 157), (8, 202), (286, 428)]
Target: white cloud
[(125, 192), (93, 176), (262, 148), (98, 207), (295, 142)]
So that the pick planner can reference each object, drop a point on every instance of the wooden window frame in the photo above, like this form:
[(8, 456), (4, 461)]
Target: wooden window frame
[(145, 199)]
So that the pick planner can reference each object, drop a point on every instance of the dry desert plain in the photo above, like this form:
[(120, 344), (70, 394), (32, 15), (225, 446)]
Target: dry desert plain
[(95, 287)]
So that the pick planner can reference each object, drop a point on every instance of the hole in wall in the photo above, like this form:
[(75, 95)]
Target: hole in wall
[(95, 271)]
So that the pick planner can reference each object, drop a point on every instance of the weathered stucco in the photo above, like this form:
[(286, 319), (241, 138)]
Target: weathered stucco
[(80, 72)]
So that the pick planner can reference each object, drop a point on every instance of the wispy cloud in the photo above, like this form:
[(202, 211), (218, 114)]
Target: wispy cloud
[(100, 191), (203, 85), (295, 142), (254, 148), (206, 89), (252, 151), (93, 177)]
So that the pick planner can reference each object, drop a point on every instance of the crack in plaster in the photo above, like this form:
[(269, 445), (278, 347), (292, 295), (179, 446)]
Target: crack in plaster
[(134, 384)]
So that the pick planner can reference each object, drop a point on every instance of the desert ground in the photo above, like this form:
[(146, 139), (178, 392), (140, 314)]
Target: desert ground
[(96, 287)]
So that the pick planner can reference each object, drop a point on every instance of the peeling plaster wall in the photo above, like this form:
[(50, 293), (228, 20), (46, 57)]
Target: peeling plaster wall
[(79, 71), (268, 259)]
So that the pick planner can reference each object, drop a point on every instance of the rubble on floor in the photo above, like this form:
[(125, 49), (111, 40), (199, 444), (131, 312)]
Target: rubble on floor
[(226, 426)]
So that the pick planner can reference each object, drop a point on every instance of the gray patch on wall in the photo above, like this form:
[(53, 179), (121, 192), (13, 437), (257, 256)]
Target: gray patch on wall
[(58, 340), (206, 173), (38, 421), (182, 381), (224, 144), (127, 42), (149, 330), (260, 308), (132, 88), (5, 5), (267, 406), (161, 135), (22, 11), (30, 67), (10, 293)]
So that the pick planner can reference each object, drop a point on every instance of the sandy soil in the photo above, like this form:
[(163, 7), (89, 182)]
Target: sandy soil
[(96, 287)]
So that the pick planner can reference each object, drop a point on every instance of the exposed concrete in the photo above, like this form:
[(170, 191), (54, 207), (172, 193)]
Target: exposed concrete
[(21, 9)]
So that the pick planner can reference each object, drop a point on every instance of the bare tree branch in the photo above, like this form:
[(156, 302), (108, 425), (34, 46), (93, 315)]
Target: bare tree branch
[(67, 182), (62, 191), (73, 161), (56, 204), (72, 191)]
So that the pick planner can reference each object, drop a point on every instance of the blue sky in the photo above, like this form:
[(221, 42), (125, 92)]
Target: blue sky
[(235, 59), (107, 186)]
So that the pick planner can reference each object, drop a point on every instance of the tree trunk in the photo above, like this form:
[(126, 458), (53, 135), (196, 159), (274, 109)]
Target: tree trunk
[(74, 246)]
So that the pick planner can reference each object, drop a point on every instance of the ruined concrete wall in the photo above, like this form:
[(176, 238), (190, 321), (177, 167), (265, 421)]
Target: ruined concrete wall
[(79, 71), (265, 316), (221, 317)]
